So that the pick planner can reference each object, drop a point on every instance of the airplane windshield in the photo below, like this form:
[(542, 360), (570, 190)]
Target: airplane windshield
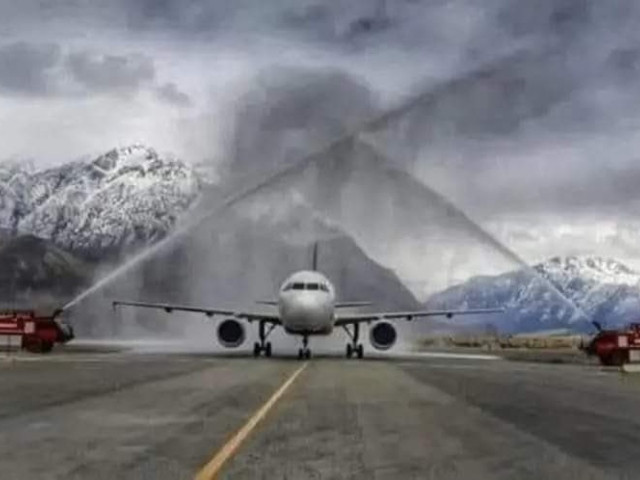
[(306, 286)]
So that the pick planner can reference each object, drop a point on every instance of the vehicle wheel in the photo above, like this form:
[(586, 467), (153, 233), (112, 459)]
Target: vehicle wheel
[(604, 359), (256, 349), (267, 350), (360, 351), (618, 358), (32, 345), (46, 347), (349, 350)]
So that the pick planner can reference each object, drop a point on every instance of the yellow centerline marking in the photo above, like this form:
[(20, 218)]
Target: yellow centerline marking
[(213, 467)]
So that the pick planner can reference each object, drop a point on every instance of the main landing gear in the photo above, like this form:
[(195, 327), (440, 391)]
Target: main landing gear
[(263, 345), (354, 348), (304, 352)]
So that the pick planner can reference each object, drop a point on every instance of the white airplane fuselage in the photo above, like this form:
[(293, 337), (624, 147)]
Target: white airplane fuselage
[(306, 304)]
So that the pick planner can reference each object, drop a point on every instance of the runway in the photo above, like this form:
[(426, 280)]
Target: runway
[(166, 416)]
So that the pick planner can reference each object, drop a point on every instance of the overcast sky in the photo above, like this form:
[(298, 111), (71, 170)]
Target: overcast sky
[(543, 153)]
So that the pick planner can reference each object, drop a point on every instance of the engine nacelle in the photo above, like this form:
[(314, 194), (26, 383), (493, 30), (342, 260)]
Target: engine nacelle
[(383, 336), (231, 333)]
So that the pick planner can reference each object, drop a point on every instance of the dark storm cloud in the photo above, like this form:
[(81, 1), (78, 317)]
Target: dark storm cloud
[(340, 23), (28, 69), (170, 93), (595, 50), (581, 190), (365, 22), (45, 69), (111, 73), (405, 22), (538, 136)]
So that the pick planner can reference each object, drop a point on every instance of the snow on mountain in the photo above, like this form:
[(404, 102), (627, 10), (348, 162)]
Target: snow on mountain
[(132, 196), (125, 197), (603, 289), (596, 270)]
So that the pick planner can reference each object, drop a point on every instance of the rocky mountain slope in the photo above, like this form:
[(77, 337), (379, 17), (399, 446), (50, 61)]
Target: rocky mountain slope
[(34, 272), (603, 289), (64, 227), (126, 197)]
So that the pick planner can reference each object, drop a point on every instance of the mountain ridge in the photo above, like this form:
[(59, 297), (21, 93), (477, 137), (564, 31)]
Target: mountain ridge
[(88, 209), (131, 197), (562, 292), (126, 197)]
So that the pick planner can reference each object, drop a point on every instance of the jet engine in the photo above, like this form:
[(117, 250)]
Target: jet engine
[(383, 336), (231, 333)]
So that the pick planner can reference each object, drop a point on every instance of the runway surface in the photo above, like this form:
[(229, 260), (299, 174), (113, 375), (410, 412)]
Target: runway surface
[(166, 416)]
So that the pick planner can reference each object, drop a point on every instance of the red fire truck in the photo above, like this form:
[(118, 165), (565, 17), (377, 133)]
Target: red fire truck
[(35, 333), (615, 347)]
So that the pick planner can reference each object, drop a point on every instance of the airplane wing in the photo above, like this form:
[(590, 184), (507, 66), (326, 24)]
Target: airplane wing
[(272, 318), (353, 318), (274, 303), (352, 304)]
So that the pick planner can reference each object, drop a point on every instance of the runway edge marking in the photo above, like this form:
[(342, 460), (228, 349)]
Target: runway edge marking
[(213, 467)]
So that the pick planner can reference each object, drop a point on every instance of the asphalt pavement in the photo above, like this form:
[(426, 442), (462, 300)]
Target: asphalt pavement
[(170, 416)]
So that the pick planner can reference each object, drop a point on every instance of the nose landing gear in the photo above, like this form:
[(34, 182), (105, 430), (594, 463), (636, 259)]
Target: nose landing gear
[(354, 348), (263, 345), (304, 352)]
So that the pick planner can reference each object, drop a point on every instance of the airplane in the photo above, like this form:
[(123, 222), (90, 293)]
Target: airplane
[(306, 306)]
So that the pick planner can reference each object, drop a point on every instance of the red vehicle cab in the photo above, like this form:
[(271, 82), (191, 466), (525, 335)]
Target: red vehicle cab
[(37, 334), (616, 347)]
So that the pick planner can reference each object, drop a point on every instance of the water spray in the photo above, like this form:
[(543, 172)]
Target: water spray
[(482, 234), (375, 124)]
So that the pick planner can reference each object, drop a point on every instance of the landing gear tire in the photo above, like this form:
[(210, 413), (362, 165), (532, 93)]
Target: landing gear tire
[(357, 350), (257, 349), (349, 350), (304, 353), (353, 347), (267, 350)]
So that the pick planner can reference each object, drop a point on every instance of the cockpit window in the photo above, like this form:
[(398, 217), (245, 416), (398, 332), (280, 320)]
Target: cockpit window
[(306, 286)]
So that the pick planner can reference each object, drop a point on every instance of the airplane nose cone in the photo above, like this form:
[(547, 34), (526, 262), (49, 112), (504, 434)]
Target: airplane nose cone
[(305, 313), (301, 308)]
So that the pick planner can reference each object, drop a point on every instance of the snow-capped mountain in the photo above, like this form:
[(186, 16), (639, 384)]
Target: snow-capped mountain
[(602, 289), (127, 196), (132, 196)]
